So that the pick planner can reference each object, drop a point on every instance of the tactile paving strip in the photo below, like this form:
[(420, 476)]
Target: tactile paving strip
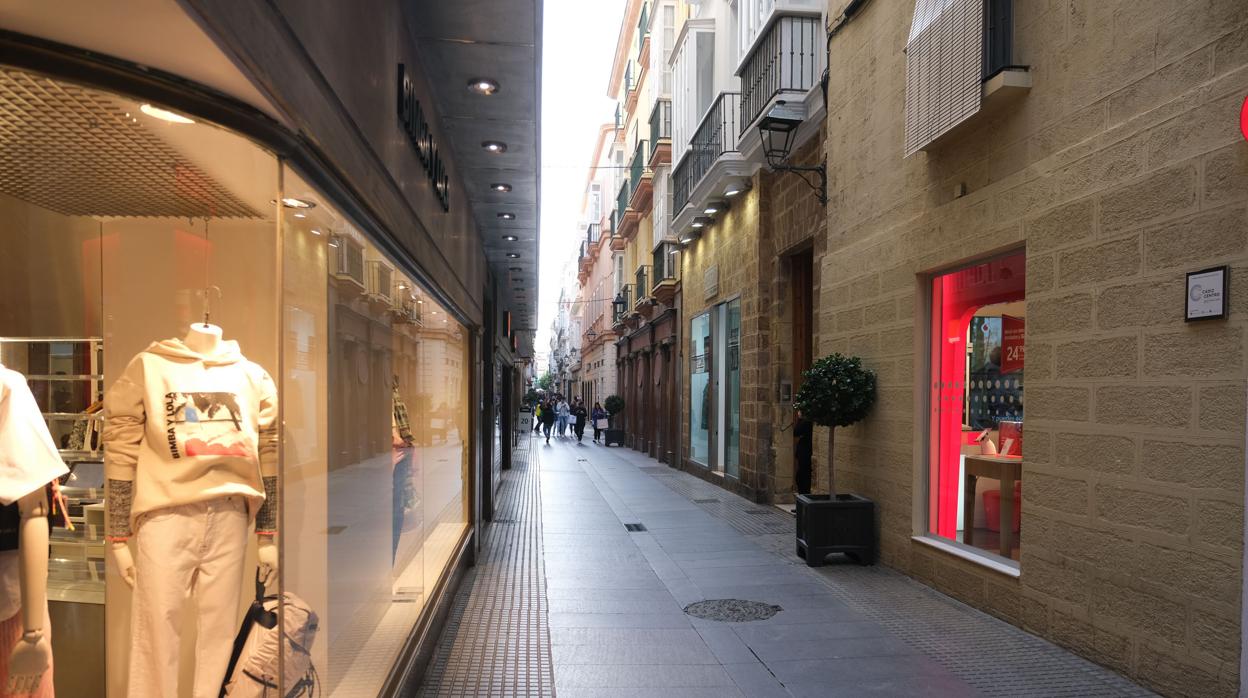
[(996, 658), (496, 641)]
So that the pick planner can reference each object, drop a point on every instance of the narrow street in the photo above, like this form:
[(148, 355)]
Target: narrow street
[(565, 600)]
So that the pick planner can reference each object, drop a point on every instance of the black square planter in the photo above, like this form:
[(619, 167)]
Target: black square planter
[(614, 436), (845, 524)]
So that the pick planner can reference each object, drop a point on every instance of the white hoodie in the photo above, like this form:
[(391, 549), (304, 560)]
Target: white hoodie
[(186, 427)]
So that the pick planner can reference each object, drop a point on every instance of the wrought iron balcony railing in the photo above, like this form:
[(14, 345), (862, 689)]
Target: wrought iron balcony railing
[(788, 59), (716, 135), (593, 233), (584, 250), (660, 124)]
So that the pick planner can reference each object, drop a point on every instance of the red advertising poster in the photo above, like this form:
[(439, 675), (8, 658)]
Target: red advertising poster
[(1011, 344)]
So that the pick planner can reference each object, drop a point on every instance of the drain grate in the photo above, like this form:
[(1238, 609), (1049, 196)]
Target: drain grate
[(505, 521), (635, 527), (732, 610), (706, 501)]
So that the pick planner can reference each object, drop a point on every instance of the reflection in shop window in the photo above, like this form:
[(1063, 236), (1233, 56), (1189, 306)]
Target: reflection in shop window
[(976, 403)]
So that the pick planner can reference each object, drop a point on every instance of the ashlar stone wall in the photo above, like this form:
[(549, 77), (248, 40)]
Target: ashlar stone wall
[(1119, 172)]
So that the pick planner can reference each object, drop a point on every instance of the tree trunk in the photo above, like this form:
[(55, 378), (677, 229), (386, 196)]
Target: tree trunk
[(831, 470)]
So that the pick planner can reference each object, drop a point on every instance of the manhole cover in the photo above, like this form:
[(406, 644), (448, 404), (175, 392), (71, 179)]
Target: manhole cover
[(732, 610)]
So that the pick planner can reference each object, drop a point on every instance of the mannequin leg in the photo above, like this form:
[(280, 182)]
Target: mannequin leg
[(217, 587), (10, 634), (167, 552)]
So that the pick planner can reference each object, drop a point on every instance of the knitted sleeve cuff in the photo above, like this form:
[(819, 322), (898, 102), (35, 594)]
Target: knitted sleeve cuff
[(266, 518), (120, 498)]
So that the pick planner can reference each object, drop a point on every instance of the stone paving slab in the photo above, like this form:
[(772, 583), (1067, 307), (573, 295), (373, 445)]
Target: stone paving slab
[(608, 606)]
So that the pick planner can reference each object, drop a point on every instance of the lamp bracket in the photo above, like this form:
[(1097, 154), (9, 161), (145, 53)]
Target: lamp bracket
[(820, 189)]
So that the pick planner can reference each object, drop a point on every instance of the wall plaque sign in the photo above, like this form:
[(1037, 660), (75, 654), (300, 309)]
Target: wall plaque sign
[(710, 281), (1207, 292)]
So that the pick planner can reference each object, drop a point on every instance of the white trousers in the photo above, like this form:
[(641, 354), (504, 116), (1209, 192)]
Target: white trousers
[(192, 550)]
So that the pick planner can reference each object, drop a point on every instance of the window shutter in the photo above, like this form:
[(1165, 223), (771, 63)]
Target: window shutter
[(944, 67)]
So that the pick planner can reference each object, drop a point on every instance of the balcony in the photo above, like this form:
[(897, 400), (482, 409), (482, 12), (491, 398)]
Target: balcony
[(665, 271), (628, 217), (593, 233), (716, 136), (632, 79), (643, 36), (661, 133), (619, 313), (643, 284), (787, 60), (642, 180)]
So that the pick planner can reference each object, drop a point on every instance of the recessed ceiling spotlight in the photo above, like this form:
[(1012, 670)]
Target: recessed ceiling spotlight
[(513, 255), (402, 286), (301, 215), (317, 232), (333, 242), (507, 216), (698, 223), (501, 187), (494, 146), (291, 202), (714, 207), (510, 238), (164, 115), (483, 86), (515, 269)]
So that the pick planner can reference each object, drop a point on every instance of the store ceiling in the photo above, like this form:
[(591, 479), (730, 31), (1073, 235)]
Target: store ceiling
[(108, 162), (499, 40)]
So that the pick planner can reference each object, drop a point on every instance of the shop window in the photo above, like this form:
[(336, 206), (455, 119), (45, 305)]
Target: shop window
[(976, 406), (377, 452), (715, 388)]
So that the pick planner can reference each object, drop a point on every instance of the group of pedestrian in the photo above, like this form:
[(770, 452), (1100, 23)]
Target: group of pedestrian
[(566, 419)]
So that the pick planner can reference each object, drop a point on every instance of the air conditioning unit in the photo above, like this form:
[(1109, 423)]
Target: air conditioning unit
[(348, 266), (379, 281)]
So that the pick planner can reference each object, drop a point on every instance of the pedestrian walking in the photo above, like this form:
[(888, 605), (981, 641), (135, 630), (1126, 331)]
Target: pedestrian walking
[(565, 415), (579, 414), (548, 419), (599, 416), (537, 417)]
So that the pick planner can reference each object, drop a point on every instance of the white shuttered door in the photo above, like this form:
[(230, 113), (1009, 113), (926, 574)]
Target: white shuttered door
[(944, 57)]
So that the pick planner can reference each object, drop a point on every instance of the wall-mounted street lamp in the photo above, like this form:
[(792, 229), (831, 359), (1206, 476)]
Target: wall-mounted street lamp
[(778, 131), (619, 305)]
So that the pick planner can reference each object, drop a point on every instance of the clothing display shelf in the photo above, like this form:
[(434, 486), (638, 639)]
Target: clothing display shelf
[(66, 375)]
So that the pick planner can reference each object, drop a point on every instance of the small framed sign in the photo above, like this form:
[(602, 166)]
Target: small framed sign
[(1207, 292)]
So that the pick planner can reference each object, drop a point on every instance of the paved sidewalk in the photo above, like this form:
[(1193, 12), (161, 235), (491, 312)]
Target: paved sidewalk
[(616, 599)]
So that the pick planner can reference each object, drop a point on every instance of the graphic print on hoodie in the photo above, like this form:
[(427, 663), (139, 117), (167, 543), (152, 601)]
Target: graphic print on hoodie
[(185, 427)]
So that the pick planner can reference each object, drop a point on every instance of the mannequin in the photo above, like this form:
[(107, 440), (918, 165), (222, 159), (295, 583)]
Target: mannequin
[(28, 462), (190, 457), (202, 338)]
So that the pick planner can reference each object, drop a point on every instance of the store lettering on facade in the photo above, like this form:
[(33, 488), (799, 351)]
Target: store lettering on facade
[(416, 126)]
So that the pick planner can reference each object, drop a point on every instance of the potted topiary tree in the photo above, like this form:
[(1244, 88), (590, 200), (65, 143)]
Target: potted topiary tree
[(836, 392), (614, 404)]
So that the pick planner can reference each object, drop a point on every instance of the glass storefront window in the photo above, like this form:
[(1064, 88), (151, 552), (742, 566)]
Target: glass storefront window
[(731, 313), (239, 382), (700, 393), (377, 377), (977, 355), (125, 229)]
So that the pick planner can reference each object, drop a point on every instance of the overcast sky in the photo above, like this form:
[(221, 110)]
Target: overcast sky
[(578, 45)]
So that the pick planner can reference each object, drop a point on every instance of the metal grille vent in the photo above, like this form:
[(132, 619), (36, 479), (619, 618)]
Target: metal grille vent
[(74, 151)]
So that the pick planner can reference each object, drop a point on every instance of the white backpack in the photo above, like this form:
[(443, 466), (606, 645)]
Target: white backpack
[(254, 663)]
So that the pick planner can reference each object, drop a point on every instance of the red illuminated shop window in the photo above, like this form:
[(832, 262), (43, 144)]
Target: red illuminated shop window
[(976, 412)]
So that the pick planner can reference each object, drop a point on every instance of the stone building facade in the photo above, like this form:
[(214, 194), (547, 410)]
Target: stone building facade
[(1121, 170)]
